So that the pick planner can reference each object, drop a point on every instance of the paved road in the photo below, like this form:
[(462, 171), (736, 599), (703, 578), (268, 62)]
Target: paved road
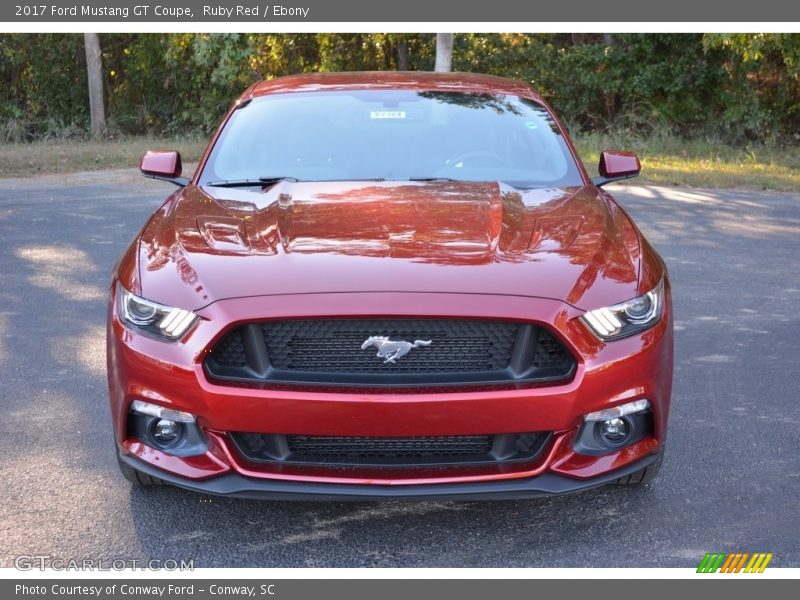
[(730, 482)]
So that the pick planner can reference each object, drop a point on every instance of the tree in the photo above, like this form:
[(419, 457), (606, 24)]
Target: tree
[(444, 52), (402, 54), (94, 76)]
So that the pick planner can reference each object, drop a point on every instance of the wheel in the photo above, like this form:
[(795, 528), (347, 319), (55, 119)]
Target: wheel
[(136, 477), (643, 476)]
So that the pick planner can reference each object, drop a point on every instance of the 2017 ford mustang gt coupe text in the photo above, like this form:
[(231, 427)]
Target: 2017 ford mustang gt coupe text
[(390, 285)]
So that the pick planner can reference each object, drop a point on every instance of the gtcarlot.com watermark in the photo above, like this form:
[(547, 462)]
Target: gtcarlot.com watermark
[(42, 562)]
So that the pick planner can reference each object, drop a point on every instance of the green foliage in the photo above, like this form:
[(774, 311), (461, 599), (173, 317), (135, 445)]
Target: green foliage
[(738, 87), (43, 88), (761, 89), (630, 81)]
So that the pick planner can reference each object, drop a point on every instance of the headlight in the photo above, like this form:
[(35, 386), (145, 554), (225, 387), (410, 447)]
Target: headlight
[(627, 318), (161, 321)]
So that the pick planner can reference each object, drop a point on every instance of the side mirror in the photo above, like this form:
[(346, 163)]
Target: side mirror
[(165, 165), (616, 165)]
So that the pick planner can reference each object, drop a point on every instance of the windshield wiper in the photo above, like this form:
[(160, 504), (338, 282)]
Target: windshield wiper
[(346, 179), (261, 181), (524, 186)]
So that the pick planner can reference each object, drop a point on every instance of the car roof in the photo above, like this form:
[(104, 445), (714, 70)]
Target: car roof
[(408, 80)]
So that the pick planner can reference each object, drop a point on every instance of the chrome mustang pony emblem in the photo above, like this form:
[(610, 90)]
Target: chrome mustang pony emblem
[(391, 350)]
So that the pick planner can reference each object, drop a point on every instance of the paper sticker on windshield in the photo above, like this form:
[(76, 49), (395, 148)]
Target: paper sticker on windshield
[(387, 114)]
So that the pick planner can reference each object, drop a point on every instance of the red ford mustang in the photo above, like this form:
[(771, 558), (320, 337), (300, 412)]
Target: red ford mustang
[(390, 285)]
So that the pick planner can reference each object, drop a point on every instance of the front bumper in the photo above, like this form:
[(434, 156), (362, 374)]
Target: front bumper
[(172, 374), (234, 485)]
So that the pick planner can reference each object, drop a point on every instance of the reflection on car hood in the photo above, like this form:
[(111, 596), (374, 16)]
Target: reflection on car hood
[(570, 244)]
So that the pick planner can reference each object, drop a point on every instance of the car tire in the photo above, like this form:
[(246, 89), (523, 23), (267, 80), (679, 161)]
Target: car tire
[(137, 478), (642, 476)]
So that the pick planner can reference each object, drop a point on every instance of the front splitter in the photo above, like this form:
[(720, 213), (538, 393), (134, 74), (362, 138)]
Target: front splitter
[(234, 485)]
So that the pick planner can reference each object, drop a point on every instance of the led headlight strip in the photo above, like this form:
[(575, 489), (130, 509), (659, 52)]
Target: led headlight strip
[(156, 319), (627, 318)]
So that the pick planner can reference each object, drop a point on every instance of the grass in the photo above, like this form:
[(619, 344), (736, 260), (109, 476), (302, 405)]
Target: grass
[(670, 161), (666, 160), (55, 156)]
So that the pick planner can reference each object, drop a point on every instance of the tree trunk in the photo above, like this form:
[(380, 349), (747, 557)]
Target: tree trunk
[(94, 73), (444, 52), (402, 54)]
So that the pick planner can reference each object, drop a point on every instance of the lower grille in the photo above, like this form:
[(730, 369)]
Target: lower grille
[(389, 352), (389, 452), (388, 449)]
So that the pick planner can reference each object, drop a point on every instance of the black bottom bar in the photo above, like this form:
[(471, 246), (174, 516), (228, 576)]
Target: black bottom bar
[(236, 486)]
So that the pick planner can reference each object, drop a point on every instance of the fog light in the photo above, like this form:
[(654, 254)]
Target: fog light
[(165, 431), (615, 431), (609, 430)]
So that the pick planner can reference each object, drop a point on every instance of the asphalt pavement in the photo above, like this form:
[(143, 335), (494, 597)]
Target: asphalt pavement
[(730, 480)]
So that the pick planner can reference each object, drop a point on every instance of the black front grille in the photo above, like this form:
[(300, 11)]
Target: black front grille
[(431, 352), (389, 452), (230, 351), (335, 346)]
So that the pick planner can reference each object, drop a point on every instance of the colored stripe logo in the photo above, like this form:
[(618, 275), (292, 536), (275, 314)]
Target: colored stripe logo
[(737, 562)]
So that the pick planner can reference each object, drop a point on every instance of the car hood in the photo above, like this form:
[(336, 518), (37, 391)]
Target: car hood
[(211, 243)]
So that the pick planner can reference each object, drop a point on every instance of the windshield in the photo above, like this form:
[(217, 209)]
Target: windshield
[(392, 135)]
